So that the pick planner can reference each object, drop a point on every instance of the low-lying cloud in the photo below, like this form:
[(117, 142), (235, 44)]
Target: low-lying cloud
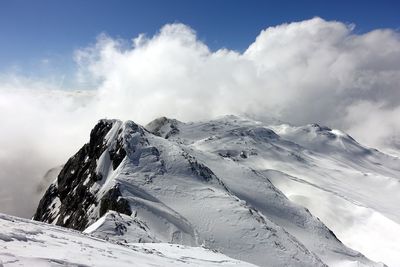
[(303, 72)]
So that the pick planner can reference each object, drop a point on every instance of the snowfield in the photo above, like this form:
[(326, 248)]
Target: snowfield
[(28, 243), (270, 194)]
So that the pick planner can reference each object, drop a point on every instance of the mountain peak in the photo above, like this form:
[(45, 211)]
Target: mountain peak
[(163, 127), (218, 183)]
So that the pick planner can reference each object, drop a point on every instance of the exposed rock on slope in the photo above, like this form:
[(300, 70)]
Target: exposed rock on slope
[(196, 184)]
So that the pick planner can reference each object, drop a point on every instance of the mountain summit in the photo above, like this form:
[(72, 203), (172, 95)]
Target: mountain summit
[(232, 184)]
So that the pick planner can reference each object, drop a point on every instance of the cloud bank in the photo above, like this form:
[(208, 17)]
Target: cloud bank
[(302, 72)]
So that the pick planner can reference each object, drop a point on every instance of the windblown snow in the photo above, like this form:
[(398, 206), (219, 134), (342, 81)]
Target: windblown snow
[(270, 194), (29, 243)]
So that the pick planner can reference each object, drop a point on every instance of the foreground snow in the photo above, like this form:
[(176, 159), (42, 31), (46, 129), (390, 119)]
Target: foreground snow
[(28, 243)]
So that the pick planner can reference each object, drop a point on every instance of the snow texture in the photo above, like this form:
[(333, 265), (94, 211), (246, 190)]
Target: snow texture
[(258, 192), (29, 243)]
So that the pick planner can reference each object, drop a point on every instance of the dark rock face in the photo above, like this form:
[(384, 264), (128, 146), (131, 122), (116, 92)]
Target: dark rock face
[(75, 180), (113, 201), (43, 212), (118, 153)]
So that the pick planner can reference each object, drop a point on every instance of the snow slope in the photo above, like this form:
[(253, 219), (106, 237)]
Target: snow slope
[(351, 188), (232, 184), (28, 243)]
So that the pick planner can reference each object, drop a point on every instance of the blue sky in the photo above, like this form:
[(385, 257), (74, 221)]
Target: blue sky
[(32, 31)]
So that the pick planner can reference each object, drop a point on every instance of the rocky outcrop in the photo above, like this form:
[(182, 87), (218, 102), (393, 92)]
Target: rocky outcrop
[(112, 200), (163, 127), (73, 188)]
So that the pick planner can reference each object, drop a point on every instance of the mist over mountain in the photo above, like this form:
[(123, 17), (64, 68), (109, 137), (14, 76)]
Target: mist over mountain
[(167, 150), (312, 71)]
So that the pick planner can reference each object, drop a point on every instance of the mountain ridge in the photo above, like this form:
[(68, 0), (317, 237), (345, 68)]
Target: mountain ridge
[(140, 166)]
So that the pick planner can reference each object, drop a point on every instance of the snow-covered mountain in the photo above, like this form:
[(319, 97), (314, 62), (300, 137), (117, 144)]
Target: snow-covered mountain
[(239, 186)]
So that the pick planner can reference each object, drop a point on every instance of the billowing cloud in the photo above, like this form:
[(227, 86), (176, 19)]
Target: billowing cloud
[(309, 71), (40, 127)]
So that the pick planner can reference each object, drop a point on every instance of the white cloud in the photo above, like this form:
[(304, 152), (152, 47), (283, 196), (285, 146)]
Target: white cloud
[(309, 71), (40, 128)]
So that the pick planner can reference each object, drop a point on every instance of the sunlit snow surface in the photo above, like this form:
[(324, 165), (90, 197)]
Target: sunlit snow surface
[(240, 186), (28, 243), (354, 190)]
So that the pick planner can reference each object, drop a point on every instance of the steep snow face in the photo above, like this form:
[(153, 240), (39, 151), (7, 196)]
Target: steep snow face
[(216, 184), (351, 188), (29, 243)]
